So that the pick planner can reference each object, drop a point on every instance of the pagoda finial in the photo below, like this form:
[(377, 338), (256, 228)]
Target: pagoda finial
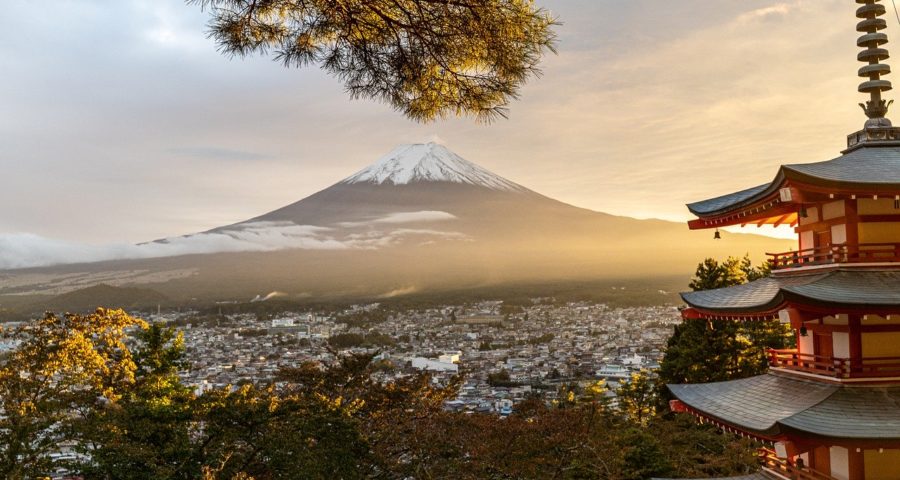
[(872, 39)]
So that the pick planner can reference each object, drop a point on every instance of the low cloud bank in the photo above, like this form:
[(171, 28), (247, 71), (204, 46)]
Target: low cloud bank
[(25, 250)]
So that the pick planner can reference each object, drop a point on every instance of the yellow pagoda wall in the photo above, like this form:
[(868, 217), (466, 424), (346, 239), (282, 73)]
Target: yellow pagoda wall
[(878, 232), (882, 206), (882, 466), (881, 232), (874, 344), (880, 344)]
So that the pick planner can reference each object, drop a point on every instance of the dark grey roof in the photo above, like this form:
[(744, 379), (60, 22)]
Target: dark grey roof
[(842, 286), (726, 201), (765, 293), (851, 287), (853, 412), (870, 167), (755, 403), (768, 403)]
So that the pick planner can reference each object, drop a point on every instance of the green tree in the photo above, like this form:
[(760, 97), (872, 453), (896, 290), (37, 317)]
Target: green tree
[(147, 433), (712, 274), (702, 350), (638, 398), (643, 456), (260, 433), (386, 415), (426, 58), (692, 450)]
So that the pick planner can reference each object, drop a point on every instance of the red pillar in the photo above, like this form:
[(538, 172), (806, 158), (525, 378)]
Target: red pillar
[(857, 464), (855, 324)]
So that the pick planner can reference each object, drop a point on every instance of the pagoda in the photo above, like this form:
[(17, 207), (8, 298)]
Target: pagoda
[(830, 408)]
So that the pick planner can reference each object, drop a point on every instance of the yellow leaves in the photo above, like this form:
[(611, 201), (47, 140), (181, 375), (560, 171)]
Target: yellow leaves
[(25, 408), (597, 388), (210, 474), (71, 353), (338, 404)]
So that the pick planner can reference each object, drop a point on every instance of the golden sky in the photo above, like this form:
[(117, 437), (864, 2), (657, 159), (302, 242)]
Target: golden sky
[(121, 123)]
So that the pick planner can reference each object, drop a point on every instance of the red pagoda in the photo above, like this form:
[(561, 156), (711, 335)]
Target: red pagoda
[(829, 409)]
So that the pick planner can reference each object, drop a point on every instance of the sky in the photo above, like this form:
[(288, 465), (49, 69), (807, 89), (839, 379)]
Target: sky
[(120, 122)]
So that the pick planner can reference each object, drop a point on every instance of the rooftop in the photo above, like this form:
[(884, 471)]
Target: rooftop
[(768, 405), (870, 169), (870, 288)]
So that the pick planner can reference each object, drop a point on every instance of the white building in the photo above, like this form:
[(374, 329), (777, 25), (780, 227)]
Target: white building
[(282, 322), (423, 363), (450, 357)]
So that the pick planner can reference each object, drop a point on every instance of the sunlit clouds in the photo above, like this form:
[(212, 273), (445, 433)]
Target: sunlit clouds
[(121, 123)]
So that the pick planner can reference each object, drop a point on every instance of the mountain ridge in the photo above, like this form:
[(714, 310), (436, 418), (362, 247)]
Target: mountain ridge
[(394, 227), (428, 162)]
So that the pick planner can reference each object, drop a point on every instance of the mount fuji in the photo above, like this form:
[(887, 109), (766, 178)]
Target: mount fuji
[(421, 218)]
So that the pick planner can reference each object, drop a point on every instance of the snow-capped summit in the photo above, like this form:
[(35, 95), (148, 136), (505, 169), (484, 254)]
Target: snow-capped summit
[(428, 162)]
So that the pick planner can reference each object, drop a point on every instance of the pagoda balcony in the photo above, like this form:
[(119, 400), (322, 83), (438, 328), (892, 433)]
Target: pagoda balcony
[(836, 254), (874, 368), (780, 468)]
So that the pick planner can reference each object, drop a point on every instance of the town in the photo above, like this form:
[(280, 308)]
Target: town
[(504, 354)]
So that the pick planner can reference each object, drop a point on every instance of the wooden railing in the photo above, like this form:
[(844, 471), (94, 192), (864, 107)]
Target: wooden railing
[(788, 469), (873, 367), (829, 254)]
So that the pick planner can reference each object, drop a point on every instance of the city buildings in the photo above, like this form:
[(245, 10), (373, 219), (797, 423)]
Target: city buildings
[(587, 340)]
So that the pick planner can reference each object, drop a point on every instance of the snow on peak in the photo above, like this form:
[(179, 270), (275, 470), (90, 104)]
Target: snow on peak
[(428, 162)]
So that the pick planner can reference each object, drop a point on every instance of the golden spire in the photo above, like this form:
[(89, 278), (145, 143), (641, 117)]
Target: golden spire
[(872, 39)]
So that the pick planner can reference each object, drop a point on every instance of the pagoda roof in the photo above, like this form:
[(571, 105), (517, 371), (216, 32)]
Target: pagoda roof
[(770, 404), (873, 168), (850, 287)]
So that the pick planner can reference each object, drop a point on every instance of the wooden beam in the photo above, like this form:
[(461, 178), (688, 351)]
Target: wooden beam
[(827, 328), (750, 214), (782, 220), (824, 224), (879, 218)]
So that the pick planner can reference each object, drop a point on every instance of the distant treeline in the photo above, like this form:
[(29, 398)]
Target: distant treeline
[(615, 293)]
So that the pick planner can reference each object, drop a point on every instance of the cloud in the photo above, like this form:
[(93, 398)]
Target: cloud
[(271, 295), (771, 12), (399, 292), (404, 217), (649, 105), (215, 153), (422, 216), (23, 250), (434, 138)]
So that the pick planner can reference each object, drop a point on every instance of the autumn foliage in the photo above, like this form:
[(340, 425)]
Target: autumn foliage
[(105, 388)]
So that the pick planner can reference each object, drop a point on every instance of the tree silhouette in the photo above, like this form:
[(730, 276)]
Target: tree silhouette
[(426, 58)]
